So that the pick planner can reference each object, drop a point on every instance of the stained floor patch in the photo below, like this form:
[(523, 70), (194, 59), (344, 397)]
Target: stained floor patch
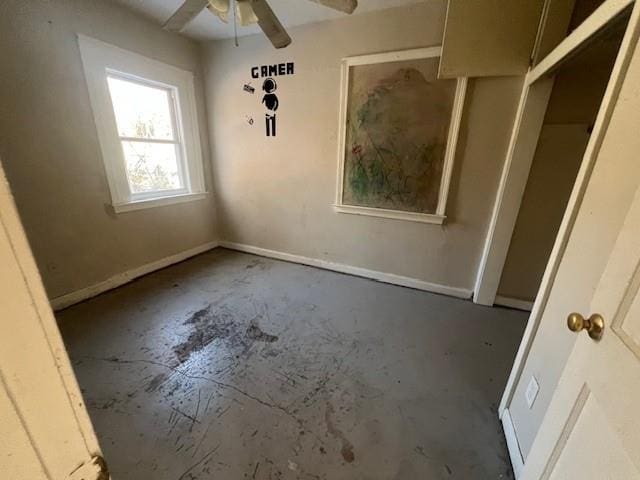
[(206, 325), (211, 323), (254, 332)]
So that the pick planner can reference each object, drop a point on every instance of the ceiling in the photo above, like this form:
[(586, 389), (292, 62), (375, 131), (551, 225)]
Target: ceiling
[(290, 12)]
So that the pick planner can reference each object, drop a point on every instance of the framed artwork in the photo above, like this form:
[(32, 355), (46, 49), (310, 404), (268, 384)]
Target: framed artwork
[(398, 132)]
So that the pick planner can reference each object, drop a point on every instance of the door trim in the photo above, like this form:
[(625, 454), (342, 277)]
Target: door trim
[(522, 146), (513, 446), (16, 377), (604, 14), (609, 100), (516, 303)]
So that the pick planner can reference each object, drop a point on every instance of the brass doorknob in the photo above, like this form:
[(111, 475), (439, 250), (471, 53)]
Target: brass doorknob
[(594, 325)]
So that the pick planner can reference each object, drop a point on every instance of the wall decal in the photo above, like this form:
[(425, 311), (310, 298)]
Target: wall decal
[(271, 102), (275, 70), (398, 133)]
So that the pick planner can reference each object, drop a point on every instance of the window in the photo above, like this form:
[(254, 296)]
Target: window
[(146, 119)]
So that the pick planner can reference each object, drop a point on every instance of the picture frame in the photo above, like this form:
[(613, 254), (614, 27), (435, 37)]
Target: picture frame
[(438, 215)]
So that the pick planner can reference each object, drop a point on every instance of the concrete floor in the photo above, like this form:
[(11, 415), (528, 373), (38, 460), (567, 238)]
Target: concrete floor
[(231, 366)]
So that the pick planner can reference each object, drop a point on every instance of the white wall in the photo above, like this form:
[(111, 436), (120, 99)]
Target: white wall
[(277, 193), (50, 151)]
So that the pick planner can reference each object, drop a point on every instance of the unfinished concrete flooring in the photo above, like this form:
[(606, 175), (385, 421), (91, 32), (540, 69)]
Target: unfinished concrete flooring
[(231, 366)]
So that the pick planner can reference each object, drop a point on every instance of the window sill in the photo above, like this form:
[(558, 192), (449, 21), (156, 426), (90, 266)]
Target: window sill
[(392, 214), (158, 202)]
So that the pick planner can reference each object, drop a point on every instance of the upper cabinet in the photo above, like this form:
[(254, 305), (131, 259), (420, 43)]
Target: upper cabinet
[(489, 37)]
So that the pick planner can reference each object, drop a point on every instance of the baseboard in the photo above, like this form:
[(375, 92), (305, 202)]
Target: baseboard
[(357, 271), (513, 303), (64, 301), (512, 443)]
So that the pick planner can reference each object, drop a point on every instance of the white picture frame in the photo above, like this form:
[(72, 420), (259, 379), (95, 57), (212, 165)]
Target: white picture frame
[(454, 127)]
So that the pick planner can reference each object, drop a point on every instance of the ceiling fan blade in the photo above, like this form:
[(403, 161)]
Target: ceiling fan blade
[(246, 15), (187, 12), (346, 6), (220, 8), (270, 24)]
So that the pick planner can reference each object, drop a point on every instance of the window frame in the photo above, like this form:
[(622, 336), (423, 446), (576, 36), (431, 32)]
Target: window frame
[(178, 141), (101, 61)]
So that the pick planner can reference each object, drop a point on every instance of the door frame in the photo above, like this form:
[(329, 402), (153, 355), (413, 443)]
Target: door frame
[(517, 169), (522, 146), (42, 369)]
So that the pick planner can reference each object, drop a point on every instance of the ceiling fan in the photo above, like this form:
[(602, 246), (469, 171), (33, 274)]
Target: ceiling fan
[(247, 12)]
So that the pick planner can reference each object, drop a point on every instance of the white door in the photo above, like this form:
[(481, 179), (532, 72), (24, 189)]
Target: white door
[(45, 431), (592, 428)]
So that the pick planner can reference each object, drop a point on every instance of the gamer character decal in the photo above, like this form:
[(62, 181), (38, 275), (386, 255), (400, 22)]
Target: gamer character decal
[(270, 101)]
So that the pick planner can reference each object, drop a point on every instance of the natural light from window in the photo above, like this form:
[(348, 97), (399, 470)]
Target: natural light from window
[(147, 126)]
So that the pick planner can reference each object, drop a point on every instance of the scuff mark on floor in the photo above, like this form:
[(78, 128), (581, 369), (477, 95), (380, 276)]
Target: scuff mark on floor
[(156, 382), (346, 449)]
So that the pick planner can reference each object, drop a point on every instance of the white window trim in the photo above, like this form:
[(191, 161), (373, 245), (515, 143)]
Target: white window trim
[(101, 59), (159, 202), (454, 127)]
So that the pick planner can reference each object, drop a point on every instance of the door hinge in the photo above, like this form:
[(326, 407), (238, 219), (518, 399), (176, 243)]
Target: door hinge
[(94, 469)]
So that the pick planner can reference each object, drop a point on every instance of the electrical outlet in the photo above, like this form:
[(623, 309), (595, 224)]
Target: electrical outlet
[(532, 391)]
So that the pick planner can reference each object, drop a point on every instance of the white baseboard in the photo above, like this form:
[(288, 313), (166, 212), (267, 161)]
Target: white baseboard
[(512, 443), (357, 271), (513, 303), (64, 301)]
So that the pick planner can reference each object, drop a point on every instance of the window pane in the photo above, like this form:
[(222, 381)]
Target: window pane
[(141, 111), (151, 166)]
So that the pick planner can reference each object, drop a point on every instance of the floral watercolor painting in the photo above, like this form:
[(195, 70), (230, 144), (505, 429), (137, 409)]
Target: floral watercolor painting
[(398, 117)]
